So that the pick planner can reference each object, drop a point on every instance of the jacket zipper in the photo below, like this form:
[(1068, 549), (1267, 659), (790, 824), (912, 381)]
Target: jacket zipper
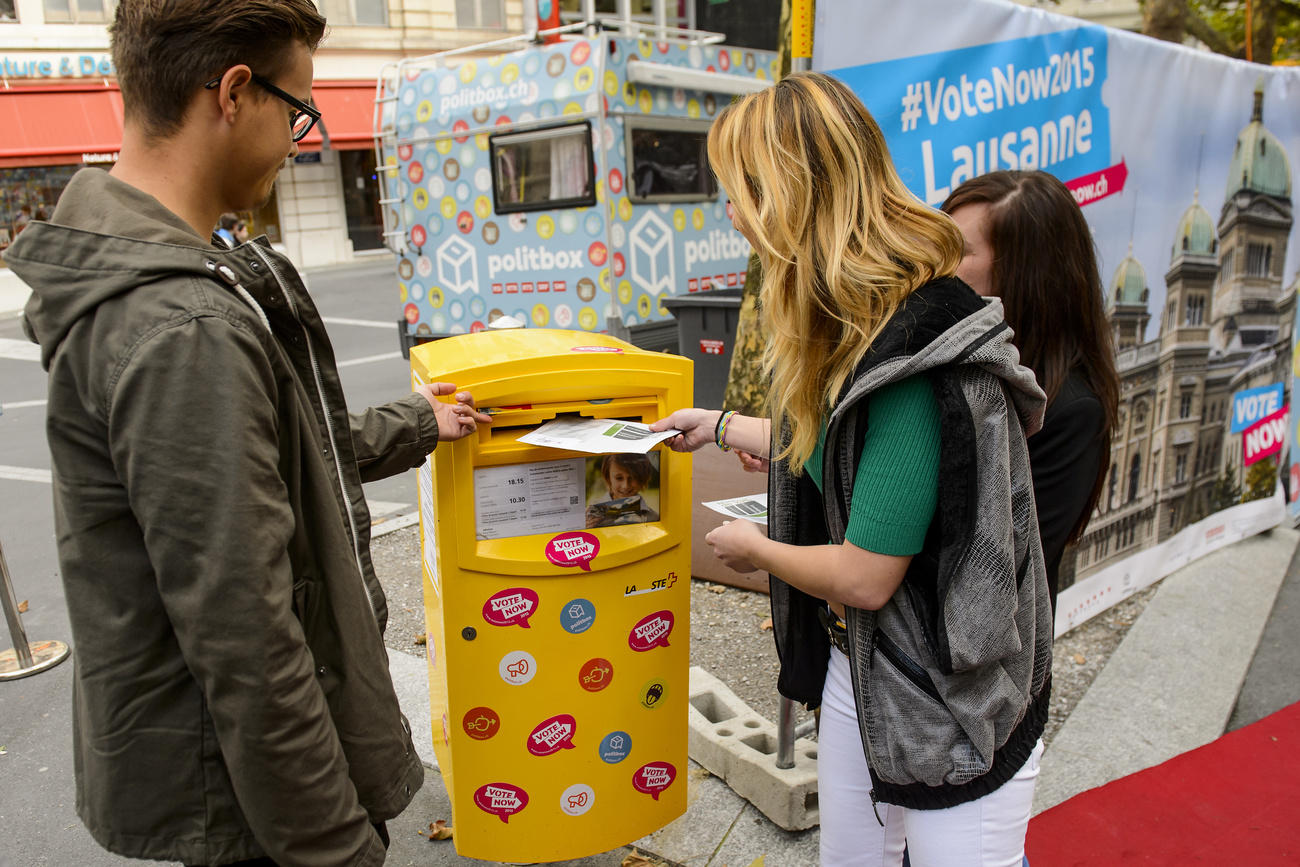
[(329, 424), (907, 667)]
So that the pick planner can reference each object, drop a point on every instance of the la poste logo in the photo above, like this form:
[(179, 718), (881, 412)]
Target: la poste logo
[(552, 735), (501, 800), (652, 778), (651, 631), (510, 607), (573, 549)]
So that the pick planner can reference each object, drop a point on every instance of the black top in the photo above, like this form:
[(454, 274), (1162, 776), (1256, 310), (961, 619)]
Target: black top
[(1064, 457)]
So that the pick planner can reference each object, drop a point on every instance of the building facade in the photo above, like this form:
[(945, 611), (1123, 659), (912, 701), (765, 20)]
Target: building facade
[(60, 110), (1226, 326)]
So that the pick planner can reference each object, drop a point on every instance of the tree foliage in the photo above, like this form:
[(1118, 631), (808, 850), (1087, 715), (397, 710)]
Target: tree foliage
[(1261, 479), (1221, 25), (1225, 492)]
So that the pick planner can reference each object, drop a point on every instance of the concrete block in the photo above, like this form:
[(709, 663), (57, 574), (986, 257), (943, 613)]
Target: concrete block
[(738, 746)]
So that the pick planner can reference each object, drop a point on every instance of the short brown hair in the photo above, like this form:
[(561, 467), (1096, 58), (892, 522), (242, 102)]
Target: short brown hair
[(164, 50)]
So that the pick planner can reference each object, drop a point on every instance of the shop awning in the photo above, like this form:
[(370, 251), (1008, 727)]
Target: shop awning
[(43, 126), (347, 112)]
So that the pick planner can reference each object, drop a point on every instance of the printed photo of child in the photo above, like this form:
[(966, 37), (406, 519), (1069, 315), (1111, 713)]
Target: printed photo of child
[(622, 489)]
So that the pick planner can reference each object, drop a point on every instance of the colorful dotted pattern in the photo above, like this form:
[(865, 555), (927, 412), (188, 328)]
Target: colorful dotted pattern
[(465, 265)]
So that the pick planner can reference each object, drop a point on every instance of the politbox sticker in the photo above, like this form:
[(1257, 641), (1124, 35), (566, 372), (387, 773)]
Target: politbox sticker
[(595, 674), (651, 631), (651, 779), (504, 800), (552, 735), (577, 616), (517, 667), (577, 799), (510, 607), (481, 723), (615, 747), (573, 549)]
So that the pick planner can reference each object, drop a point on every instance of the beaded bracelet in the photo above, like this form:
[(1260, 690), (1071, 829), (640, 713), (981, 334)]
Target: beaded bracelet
[(720, 431)]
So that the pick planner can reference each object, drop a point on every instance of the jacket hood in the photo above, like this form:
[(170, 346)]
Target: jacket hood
[(105, 237), (945, 322)]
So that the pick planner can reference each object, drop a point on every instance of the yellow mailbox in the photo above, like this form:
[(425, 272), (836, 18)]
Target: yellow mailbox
[(557, 599)]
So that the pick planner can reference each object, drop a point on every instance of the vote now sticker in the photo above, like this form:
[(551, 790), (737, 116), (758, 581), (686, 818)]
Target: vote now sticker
[(651, 779), (552, 735), (573, 549), (651, 631), (501, 800), (510, 607)]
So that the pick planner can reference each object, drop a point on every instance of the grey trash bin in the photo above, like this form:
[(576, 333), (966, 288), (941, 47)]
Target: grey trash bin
[(706, 334)]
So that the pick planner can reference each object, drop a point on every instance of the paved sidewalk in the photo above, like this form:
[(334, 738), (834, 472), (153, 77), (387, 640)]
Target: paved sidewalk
[(13, 293)]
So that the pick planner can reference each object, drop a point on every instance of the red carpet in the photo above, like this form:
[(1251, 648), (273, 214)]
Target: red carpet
[(1233, 801)]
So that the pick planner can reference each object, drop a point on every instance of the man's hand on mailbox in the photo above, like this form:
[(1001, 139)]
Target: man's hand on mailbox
[(455, 420), (696, 426)]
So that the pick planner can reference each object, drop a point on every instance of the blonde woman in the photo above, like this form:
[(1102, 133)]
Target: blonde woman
[(908, 590)]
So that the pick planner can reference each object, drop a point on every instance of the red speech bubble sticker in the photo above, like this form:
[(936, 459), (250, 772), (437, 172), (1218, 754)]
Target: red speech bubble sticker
[(651, 631), (652, 778), (552, 735), (573, 549), (510, 607), (502, 799)]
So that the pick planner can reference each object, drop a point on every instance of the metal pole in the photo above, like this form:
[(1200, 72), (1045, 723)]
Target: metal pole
[(785, 734), (801, 35), (25, 658), (530, 17), (661, 19)]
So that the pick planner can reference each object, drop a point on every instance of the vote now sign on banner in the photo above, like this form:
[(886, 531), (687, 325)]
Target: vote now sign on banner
[(1253, 405), (1265, 437)]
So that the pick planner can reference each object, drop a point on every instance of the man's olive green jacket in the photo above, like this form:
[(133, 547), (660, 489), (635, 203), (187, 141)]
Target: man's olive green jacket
[(232, 695)]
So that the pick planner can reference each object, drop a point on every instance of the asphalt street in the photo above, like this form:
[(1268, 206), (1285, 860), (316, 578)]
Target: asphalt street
[(360, 307)]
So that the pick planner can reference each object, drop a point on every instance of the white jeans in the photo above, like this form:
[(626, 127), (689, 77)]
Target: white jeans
[(987, 832)]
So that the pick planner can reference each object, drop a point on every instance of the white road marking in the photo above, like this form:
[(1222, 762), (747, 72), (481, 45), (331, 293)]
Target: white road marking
[(369, 358), (19, 350), (360, 323), (26, 474), (22, 404)]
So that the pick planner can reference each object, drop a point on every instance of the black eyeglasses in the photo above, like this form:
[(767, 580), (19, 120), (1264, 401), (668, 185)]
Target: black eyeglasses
[(304, 116)]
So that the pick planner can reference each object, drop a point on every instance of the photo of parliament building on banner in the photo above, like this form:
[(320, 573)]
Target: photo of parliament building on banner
[(1226, 326)]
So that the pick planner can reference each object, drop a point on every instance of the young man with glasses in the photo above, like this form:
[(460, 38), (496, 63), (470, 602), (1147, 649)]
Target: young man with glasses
[(232, 701)]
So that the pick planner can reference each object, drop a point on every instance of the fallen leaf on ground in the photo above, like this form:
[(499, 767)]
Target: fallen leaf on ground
[(22, 607), (766, 624), (1080, 659), (717, 588), (438, 830), (758, 862), (422, 639), (636, 859)]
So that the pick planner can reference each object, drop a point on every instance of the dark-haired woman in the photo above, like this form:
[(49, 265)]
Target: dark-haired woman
[(1028, 244)]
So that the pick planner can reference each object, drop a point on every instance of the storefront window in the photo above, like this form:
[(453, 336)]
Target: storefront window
[(266, 219), (361, 199), (7, 11), (28, 194)]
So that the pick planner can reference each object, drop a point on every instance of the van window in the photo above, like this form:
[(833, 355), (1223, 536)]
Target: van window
[(543, 169), (668, 161)]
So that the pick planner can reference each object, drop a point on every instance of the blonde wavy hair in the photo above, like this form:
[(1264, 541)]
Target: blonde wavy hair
[(842, 241)]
